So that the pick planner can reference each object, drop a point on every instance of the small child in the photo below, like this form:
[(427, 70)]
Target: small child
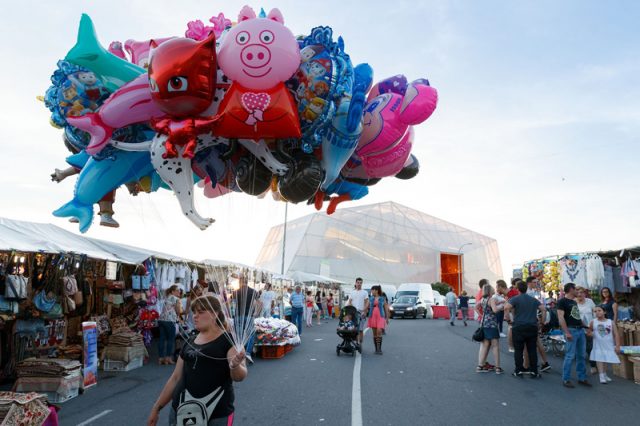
[(276, 312), (347, 323), (604, 352)]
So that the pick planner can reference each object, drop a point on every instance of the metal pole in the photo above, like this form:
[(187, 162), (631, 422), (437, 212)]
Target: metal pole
[(284, 236), (460, 265)]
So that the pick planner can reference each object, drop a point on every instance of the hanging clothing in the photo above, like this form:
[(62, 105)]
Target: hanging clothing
[(618, 282), (608, 278), (574, 271), (594, 271)]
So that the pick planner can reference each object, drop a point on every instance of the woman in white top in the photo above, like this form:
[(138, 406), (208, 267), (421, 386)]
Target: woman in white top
[(586, 307)]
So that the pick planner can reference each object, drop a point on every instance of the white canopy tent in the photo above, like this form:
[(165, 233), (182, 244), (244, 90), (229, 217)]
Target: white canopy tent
[(383, 243), (47, 238)]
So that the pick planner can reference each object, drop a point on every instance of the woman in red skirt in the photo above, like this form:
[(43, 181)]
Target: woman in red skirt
[(377, 310)]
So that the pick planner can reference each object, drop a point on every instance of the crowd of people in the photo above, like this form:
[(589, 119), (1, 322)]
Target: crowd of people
[(589, 330)]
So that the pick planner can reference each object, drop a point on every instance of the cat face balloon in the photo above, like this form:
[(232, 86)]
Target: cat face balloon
[(182, 75)]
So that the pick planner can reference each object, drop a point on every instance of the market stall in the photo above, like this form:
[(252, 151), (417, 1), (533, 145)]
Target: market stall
[(617, 270), (53, 281)]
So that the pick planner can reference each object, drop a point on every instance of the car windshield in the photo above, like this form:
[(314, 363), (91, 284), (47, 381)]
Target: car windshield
[(406, 299)]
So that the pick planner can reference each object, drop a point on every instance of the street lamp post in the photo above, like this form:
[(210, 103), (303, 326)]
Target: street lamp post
[(460, 265)]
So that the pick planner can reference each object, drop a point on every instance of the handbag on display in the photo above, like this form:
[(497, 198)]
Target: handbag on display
[(43, 302), (136, 282), (8, 306), (115, 285), (70, 285), (16, 287), (146, 282)]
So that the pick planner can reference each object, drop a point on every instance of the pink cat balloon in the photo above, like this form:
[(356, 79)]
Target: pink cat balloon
[(387, 137), (139, 50)]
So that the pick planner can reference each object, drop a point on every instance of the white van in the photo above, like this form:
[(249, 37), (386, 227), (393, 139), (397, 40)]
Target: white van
[(388, 289), (423, 291)]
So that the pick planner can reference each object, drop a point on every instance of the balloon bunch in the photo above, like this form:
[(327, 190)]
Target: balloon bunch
[(235, 107)]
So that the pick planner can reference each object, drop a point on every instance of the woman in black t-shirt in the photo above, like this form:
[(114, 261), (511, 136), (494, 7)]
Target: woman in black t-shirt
[(200, 388)]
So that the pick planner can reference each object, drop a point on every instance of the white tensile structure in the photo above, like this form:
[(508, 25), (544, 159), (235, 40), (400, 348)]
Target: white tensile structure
[(383, 243)]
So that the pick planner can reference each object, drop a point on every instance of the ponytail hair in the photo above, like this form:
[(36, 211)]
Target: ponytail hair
[(170, 290)]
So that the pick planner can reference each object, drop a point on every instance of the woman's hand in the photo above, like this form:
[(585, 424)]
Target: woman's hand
[(153, 417), (237, 359)]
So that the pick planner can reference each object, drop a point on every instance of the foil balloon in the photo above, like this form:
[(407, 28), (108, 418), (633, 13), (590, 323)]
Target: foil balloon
[(182, 78), (259, 54), (387, 137), (410, 169), (89, 53), (129, 105), (116, 48), (98, 178), (139, 50)]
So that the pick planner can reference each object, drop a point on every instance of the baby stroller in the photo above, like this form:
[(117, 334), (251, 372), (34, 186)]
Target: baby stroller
[(349, 334)]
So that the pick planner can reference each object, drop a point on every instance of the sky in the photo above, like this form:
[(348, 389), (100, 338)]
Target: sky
[(535, 141)]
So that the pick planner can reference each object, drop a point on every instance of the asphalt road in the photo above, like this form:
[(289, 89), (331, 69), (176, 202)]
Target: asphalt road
[(426, 376)]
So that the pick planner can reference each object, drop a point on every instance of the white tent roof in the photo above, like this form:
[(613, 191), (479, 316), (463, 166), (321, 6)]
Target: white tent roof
[(384, 243), (44, 237)]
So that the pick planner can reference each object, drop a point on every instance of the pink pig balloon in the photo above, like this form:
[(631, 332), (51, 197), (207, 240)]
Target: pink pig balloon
[(387, 136), (259, 53)]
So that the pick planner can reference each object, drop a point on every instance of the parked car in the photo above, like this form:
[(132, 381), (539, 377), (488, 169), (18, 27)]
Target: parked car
[(439, 299), (408, 307)]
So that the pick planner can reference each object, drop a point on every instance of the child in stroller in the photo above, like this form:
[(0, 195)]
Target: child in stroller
[(348, 331)]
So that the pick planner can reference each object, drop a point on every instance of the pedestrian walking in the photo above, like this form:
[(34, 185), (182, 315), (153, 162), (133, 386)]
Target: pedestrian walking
[(489, 326), (464, 306), (330, 305), (325, 310), (452, 305), (308, 309), (357, 299), (268, 301), (606, 343), (169, 317), (586, 307), (200, 389), (377, 310), (524, 330), (500, 296), (318, 306), (576, 346), (297, 308), (247, 305), (609, 304)]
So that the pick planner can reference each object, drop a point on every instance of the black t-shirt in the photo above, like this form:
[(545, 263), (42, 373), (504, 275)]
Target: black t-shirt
[(206, 374), (526, 310), (571, 312), (464, 301), (244, 297)]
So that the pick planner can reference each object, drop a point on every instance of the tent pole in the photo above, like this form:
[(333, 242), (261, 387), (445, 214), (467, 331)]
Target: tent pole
[(284, 236)]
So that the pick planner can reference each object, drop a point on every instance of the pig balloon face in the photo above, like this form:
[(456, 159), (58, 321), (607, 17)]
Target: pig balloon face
[(259, 53)]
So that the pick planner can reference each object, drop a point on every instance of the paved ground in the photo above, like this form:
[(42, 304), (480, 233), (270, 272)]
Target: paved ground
[(426, 376)]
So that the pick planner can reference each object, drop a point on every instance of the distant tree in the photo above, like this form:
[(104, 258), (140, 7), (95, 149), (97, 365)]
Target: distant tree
[(442, 288)]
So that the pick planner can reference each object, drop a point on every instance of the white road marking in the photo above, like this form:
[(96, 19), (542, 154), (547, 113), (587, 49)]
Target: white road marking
[(356, 398), (96, 417)]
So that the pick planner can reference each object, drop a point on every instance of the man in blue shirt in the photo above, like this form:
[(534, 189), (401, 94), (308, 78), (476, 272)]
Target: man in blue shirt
[(297, 308)]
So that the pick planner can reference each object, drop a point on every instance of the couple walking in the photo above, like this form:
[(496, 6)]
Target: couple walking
[(375, 307)]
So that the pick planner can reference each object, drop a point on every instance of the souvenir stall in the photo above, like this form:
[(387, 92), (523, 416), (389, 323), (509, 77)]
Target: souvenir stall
[(52, 284), (617, 270), (275, 337)]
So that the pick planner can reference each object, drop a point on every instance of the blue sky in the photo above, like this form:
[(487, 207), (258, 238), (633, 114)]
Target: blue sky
[(535, 141)]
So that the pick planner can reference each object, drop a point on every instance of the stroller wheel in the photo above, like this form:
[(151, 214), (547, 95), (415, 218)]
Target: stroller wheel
[(338, 351)]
